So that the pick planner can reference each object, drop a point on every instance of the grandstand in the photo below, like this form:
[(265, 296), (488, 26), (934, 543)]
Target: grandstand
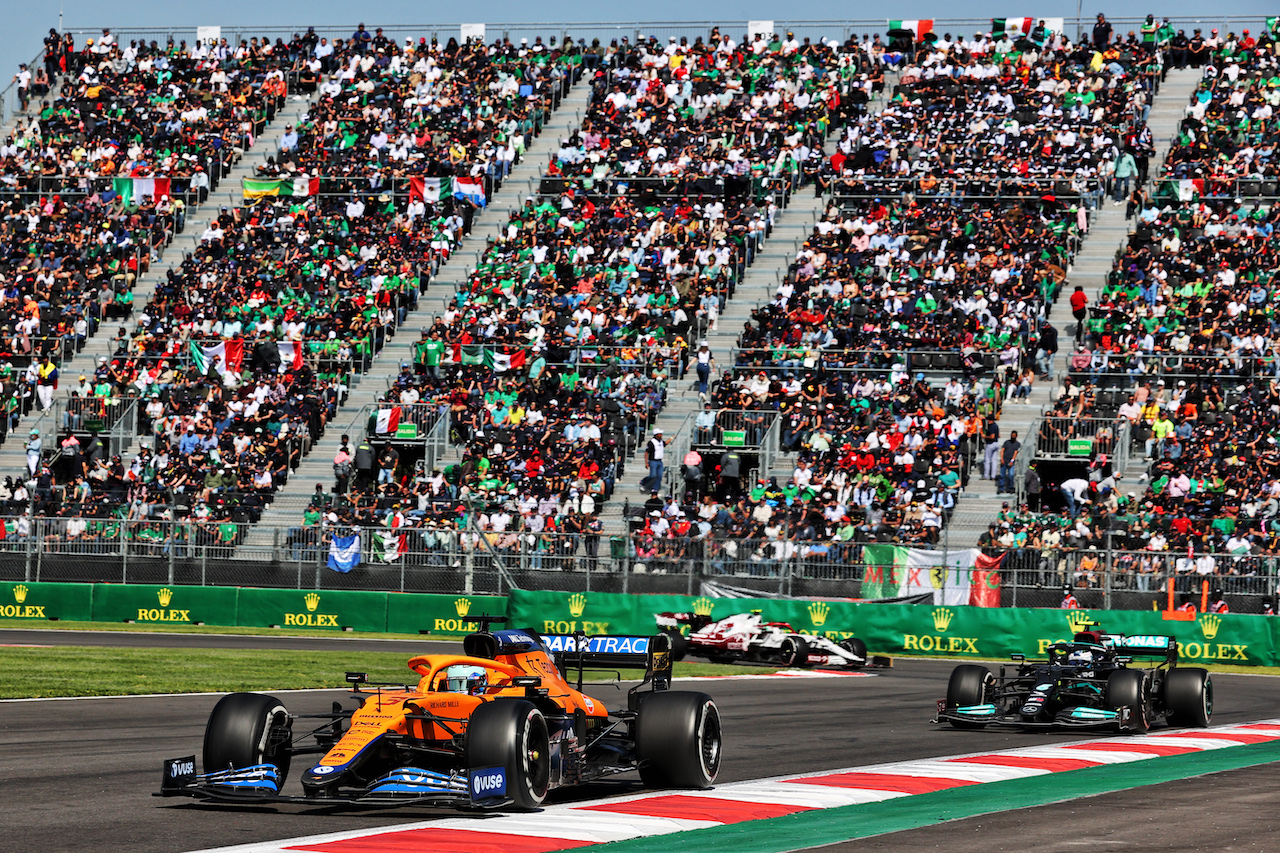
[(456, 295)]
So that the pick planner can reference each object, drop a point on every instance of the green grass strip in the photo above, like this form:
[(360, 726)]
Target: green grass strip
[(804, 830)]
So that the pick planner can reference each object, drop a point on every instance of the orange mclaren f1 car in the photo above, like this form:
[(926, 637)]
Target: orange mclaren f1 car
[(497, 726)]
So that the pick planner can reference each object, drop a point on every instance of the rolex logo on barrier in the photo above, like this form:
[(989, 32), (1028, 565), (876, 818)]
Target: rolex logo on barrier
[(703, 606), (163, 613), (461, 606), (311, 619), (942, 619), (577, 604), (1209, 626), (818, 612), (1078, 621), (22, 610)]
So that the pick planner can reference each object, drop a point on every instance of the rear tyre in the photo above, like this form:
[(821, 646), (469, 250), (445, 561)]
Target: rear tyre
[(512, 734), (679, 644), (1128, 687), (678, 740), (1188, 695), (245, 729), (795, 651), (854, 646), (970, 684)]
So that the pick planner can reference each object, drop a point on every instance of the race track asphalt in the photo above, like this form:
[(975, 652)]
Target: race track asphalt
[(81, 772)]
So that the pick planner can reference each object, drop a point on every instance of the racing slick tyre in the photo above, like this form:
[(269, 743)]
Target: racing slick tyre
[(1129, 687), (679, 644), (969, 685), (1188, 696), (794, 651), (512, 734), (854, 646), (678, 740), (245, 729)]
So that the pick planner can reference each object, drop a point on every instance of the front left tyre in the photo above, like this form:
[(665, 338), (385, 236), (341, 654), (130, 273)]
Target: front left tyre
[(245, 729), (969, 685), (512, 734)]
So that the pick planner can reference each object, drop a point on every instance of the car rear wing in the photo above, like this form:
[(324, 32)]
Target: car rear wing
[(1143, 645), (613, 651)]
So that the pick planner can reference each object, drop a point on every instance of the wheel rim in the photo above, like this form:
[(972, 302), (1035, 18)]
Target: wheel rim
[(1208, 699), (709, 743), (537, 755)]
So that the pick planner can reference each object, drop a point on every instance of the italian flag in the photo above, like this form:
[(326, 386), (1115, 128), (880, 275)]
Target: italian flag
[(1012, 27), (388, 420), (231, 354), (389, 546), (951, 577), (920, 28), (291, 353), (299, 186), (430, 189), (133, 189)]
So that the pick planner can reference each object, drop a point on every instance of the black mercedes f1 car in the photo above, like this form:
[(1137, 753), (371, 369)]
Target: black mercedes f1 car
[(1088, 683)]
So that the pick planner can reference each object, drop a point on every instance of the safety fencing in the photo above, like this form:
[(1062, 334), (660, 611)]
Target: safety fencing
[(1083, 438), (435, 557)]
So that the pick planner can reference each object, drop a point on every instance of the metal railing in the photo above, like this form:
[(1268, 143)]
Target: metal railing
[(443, 558)]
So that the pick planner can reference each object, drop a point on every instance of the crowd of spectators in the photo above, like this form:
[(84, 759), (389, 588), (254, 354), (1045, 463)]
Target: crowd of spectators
[(143, 110), (995, 117)]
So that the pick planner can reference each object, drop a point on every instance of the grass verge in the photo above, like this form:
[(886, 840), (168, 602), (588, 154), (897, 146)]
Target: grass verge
[(95, 671)]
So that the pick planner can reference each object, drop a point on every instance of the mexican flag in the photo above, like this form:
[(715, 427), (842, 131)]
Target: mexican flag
[(501, 362), (469, 354), (920, 28), (431, 190), (231, 354), (299, 186), (389, 545), (471, 189), (344, 553), (291, 353), (388, 420), (952, 577), (1190, 189), (1272, 23), (1012, 27), (135, 189)]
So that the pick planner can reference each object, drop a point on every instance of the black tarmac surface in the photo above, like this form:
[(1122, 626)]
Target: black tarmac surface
[(76, 774)]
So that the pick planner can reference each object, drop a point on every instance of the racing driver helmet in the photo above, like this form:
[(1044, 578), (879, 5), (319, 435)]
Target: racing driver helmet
[(1081, 658), (463, 678)]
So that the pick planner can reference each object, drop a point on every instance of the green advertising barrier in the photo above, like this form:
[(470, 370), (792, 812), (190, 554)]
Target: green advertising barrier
[(301, 608), (413, 613), (212, 605), (892, 629), (70, 602)]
